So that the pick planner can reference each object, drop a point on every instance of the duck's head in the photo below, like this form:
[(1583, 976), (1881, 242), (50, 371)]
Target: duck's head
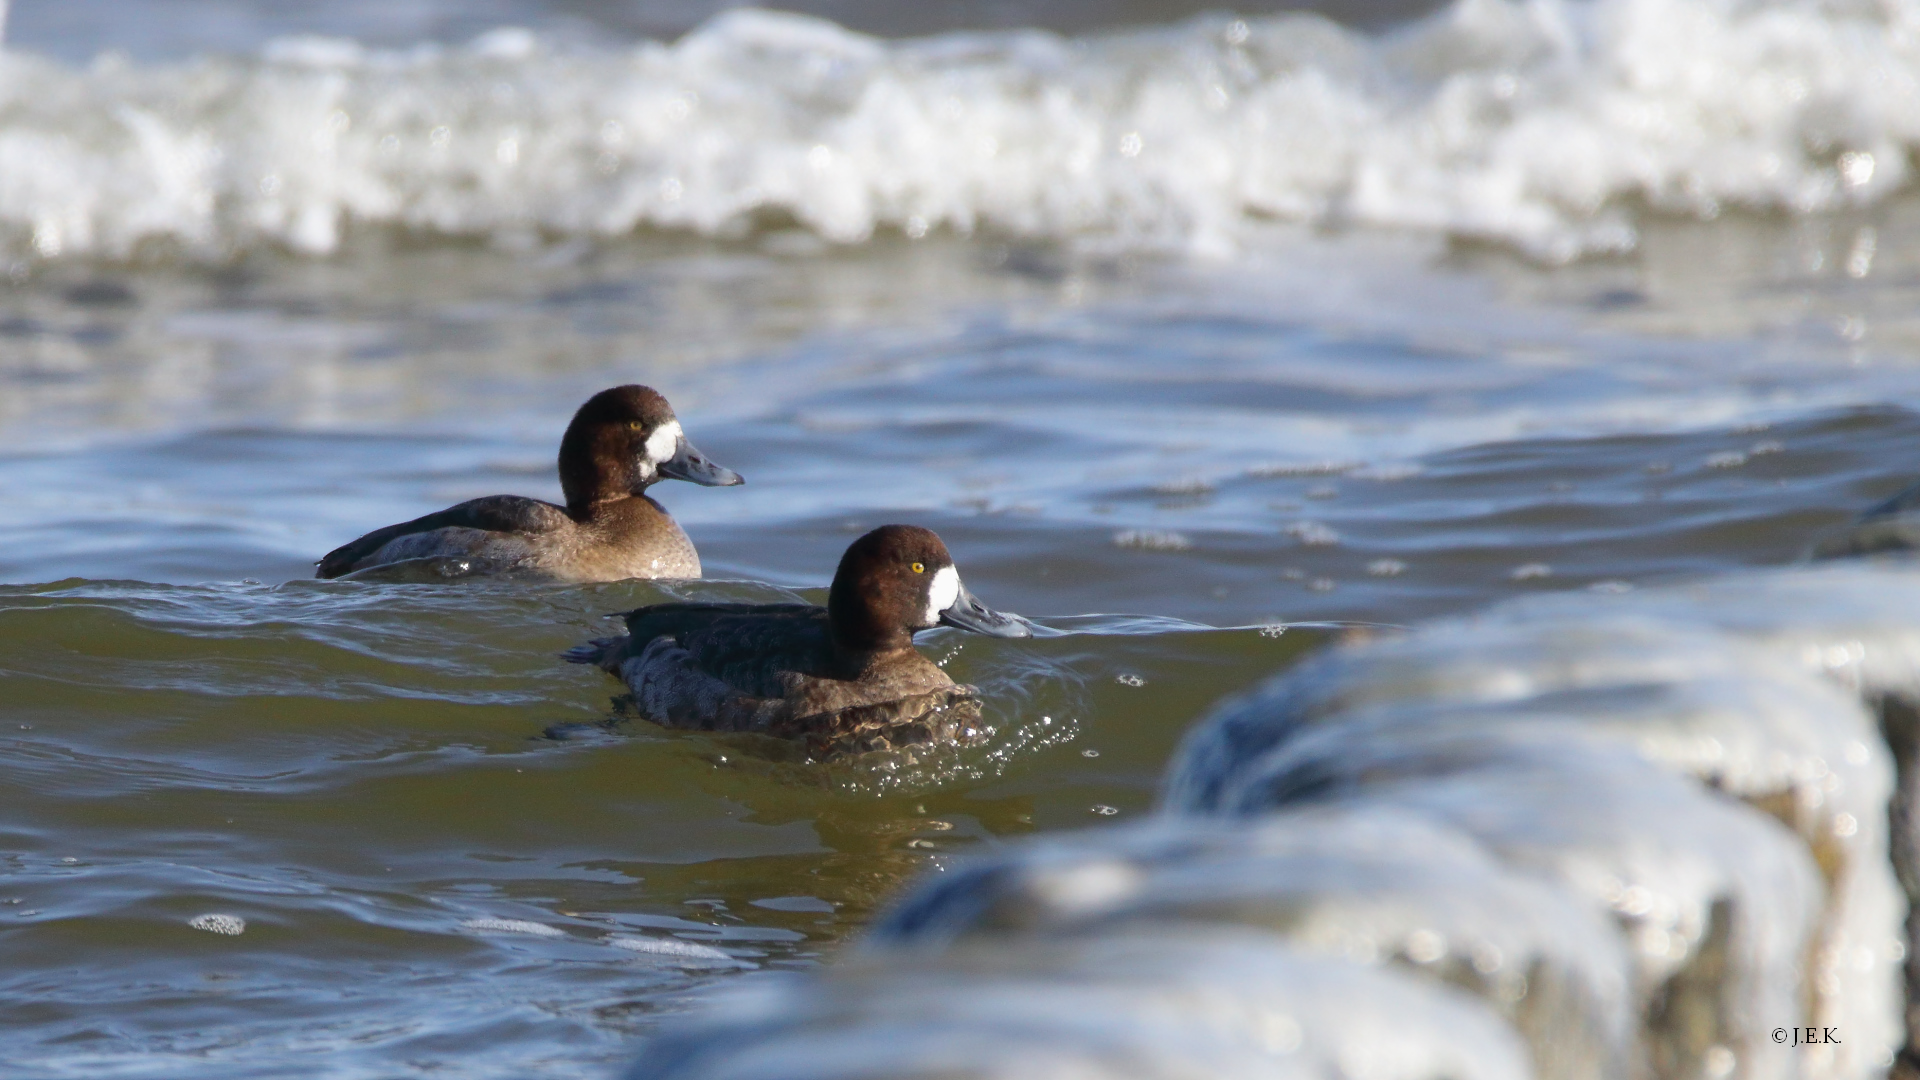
[(623, 440), (899, 579)]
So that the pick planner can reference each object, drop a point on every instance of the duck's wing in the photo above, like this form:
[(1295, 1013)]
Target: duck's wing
[(758, 649), (670, 687), (495, 514), (741, 643), (721, 667), (686, 620)]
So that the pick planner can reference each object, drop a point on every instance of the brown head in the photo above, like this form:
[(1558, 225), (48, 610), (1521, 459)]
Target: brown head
[(621, 441), (899, 579)]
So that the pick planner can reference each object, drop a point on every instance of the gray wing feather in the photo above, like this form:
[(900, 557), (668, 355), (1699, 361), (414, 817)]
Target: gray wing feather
[(508, 514)]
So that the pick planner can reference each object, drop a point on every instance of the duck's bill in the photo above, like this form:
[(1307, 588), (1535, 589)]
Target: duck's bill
[(689, 464), (966, 613)]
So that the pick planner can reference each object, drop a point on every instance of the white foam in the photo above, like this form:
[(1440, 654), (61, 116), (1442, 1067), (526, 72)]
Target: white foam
[(1739, 683), (1363, 884), (512, 926), (1185, 1002), (212, 923), (1151, 540), (1536, 124), (670, 947)]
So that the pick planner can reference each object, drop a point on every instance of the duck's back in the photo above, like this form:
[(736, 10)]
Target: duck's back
[(758, 649), (771, 668), (631, 538), (500, 529)]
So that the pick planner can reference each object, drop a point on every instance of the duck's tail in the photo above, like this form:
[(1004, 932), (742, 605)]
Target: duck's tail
[(603, 653)]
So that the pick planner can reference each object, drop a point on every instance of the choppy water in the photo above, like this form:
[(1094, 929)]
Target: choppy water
[(1204, 382)]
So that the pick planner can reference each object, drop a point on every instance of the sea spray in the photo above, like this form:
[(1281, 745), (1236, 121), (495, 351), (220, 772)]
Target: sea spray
[(1549, 126)]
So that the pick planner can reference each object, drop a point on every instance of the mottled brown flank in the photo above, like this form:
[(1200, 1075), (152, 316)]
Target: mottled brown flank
[(951, 715), (844, 678), (609, 530)]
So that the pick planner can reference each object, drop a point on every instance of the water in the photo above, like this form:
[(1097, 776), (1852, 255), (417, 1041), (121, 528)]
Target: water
[(1413, 321)]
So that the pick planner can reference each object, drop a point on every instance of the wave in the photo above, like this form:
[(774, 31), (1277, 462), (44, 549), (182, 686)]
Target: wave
[(1549, 125)]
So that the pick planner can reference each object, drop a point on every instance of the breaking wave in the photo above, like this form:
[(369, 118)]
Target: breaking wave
[(1548, 125)]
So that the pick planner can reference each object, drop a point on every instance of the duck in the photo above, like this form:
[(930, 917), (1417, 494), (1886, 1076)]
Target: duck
[(842, 679), (621, 442)]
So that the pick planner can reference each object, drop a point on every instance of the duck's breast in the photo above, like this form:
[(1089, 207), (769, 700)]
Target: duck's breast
[(637, 539)]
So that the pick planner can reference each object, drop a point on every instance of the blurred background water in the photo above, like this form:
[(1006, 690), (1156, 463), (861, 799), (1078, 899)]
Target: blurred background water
[(1199, 335)]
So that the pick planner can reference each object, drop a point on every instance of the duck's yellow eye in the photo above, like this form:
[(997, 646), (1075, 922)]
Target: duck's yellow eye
[(636, 425), (919, 568)]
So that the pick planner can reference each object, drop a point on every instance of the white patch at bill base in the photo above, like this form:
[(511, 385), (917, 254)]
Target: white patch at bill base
[(941, 594), (664, 442)]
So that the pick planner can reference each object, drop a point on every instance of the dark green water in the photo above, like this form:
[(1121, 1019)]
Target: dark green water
[(359, 772)]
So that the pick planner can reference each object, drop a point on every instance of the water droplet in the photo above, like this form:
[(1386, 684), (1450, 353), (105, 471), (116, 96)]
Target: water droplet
[(216, 923)]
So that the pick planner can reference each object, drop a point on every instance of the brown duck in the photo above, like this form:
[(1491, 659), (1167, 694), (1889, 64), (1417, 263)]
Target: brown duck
[(620, 442), (843, 678)]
